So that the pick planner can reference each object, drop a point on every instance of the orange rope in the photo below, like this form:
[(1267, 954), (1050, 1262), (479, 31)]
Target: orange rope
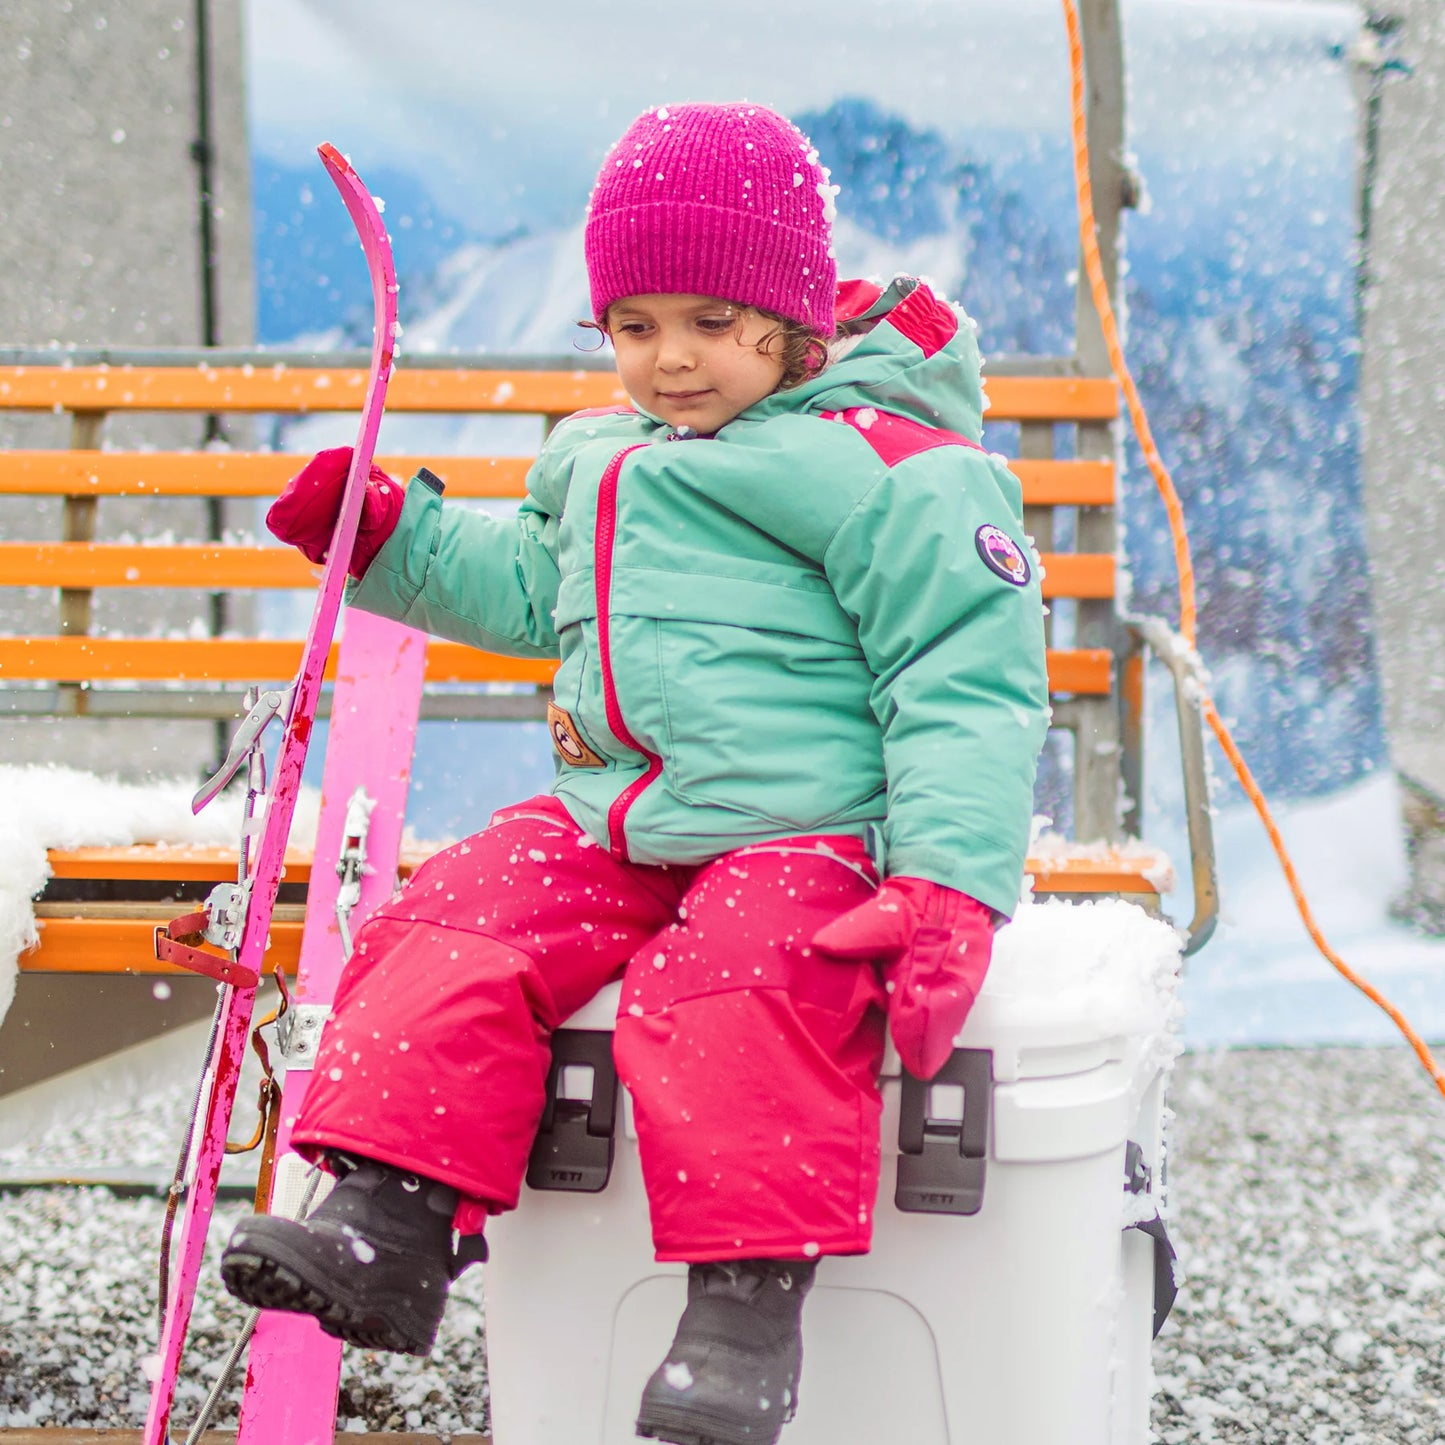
[(1094, 268)]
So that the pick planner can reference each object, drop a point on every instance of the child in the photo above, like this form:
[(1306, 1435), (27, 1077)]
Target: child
[(801, 651)]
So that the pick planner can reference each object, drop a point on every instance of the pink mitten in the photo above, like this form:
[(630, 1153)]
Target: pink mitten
[(305, 513), (935, 944)]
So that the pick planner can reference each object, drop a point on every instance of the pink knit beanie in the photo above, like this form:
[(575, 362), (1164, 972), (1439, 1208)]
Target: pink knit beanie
[(714, 200)]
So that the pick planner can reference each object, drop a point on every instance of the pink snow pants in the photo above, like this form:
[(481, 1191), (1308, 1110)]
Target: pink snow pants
[(752, 1061)]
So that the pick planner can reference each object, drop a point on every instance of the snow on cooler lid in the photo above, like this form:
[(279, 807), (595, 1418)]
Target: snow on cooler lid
[(1066, 976)]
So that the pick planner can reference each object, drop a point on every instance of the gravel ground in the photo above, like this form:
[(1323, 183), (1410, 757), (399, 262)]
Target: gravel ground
[(1308, 1194), (1308, 1191)]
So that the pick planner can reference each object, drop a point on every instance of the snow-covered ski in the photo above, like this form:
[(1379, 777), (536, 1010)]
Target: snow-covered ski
[(240, 915)]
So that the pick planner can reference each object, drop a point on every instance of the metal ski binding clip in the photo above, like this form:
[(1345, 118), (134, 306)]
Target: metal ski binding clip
[(222, 921), (226, 908), (273, 703), (351, 865), (298, 1032)]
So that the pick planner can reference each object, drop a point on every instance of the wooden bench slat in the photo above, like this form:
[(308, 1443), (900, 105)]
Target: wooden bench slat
[(212, 566), (183, 864), (226, 474), (1051, 398), (127, 945), (300, 389), (1084, 872), (1078, 574), (1087, 671), (1084, 671), (215, 566), (169, 863), (1067, 483), (1087, 872), (227, 659), (308, 389)]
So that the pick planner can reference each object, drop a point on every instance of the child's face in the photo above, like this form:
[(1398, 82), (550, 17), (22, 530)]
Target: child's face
[(692, 360)]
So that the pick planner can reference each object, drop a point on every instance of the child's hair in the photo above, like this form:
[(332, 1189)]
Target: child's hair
[(799, 349), (802, 352)]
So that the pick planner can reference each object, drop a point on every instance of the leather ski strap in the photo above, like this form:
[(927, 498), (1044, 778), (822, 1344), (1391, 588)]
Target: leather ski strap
[(175, 943)]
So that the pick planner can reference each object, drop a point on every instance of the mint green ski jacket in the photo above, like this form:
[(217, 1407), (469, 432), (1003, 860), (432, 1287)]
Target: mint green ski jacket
[(823, 619)]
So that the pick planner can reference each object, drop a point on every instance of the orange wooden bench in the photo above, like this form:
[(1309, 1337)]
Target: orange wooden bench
[(99, 912)]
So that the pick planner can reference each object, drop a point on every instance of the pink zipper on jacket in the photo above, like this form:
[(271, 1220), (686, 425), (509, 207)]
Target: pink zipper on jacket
[(604, 540)]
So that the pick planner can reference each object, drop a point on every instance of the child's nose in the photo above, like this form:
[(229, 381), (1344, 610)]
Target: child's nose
[(675, 353)]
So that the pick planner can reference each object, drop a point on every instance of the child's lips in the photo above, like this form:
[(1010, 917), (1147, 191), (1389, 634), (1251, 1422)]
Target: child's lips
[(684, 396)]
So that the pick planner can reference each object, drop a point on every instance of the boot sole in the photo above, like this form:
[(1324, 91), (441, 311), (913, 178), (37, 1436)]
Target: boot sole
[(684, 1427), (268, 1283)]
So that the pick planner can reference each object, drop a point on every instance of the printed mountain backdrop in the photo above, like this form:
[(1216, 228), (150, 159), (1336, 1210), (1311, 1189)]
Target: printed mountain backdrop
[(1240, 329)]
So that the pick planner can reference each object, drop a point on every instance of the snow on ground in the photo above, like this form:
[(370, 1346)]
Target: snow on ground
[(77, 1315), (78, 1269), (1308, 1204)]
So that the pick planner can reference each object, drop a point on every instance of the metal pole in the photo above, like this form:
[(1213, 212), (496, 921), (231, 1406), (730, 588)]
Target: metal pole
[(1115, 186), (1374, 64), (203, 153)]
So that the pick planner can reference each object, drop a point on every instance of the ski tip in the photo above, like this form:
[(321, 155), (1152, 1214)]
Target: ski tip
[(332, 158)]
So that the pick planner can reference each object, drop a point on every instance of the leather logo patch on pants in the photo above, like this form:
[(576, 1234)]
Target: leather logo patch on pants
[(568, 740)]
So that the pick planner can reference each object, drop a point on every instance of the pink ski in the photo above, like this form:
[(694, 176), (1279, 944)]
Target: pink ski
[(294, 1368), (250, 912)]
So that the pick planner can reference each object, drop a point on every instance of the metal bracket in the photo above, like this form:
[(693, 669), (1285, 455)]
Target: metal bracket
[(226, 906), (942, 1140), (298, 1033), (573, 1148)]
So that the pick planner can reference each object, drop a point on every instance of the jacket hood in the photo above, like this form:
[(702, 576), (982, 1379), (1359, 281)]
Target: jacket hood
[(907, 352)]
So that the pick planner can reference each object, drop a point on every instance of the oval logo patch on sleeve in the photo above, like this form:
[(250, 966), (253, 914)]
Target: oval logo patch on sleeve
[(1001, 554)]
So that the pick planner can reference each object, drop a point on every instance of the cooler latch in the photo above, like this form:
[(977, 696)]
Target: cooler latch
[(943, 1136), (573, 1148)]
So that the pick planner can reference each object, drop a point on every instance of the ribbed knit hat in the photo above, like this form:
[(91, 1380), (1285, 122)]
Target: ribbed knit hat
[(714, 200)]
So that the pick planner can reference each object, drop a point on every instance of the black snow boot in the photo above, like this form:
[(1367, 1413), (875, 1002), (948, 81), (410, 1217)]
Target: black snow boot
[(731, 1376), (373, 1262)]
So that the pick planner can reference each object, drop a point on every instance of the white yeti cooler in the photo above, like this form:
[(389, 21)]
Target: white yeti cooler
[(1017, 1309)]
